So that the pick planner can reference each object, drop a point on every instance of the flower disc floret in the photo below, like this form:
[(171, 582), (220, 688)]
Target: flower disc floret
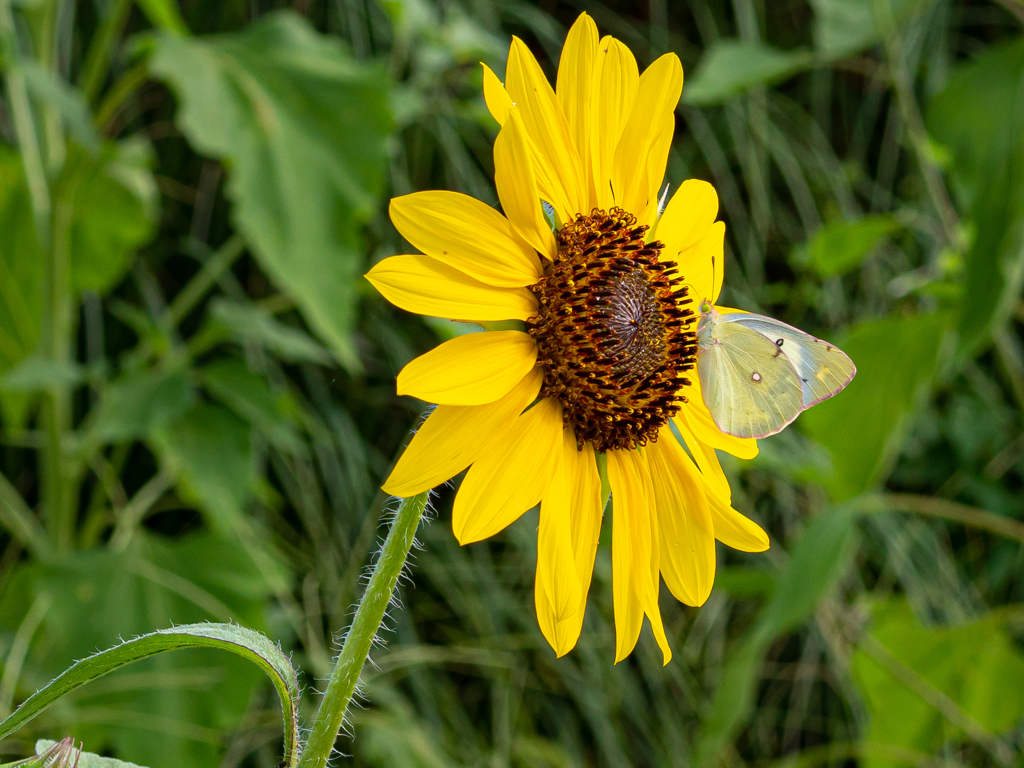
[(613, 331)]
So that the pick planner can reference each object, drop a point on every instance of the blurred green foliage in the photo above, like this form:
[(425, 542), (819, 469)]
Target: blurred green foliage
[(197, 389)]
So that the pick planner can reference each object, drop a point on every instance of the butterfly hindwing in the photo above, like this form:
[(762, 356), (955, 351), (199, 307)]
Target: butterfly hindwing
[(749, 384), (823, 368)]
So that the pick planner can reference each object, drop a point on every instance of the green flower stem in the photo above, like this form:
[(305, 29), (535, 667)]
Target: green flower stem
[(369, 616)]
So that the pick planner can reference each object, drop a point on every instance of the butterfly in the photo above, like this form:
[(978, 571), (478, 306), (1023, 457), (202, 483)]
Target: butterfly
[(758, 374)]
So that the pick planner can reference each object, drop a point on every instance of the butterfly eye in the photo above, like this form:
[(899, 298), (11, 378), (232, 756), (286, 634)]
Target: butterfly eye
[(755, 377)]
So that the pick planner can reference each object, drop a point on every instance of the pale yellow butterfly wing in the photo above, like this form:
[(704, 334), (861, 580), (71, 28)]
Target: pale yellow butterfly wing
[(748, 384), (823, 368)]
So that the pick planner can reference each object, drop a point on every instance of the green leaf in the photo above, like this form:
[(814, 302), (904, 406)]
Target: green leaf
[(210, 451), (976, 665), (248, 395), (115, 202), (840, 246), (253, 325), (112, 197), (21, 275), (302, 127), (139, 405), (21, 281), (843, 27), (36, 374), (250, 645), (977, 117), (166, 711), (731, 67), (820, 557), (86, 759), (744, 583), (896, 359), (69, 102)]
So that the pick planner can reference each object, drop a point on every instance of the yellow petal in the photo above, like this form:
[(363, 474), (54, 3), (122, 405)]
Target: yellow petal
[(473, 369), (547, 128), (510, 475), (517, 186), (585, 523), (497, 98), (574, 87), (710, 468), (430, 287), (468, 235), (735, 530), (454, 435), (686, 535), (557, 590), (656, 162), (616, 78), (586, 512), (689, 214), (702, 425), (653, 613), (702, 265), (657, 95), (651, 608), (631, 547)]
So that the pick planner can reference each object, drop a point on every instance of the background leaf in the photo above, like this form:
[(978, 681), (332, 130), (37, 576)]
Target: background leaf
[(895, 358), (843, 27), (976, 665), (138, 405), (253, 325), (841, 246), (976, 117), (302, 127), (115, 201), (730, 67), (21, 280), (248, 395), (210, 449)]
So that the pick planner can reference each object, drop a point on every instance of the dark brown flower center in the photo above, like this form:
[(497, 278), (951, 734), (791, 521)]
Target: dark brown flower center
[(613, 335)]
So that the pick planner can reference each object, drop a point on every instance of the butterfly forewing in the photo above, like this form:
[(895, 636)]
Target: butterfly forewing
[(823, 368), (748, 383)]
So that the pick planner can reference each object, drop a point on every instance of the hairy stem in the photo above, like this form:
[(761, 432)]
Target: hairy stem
[(369, 616)]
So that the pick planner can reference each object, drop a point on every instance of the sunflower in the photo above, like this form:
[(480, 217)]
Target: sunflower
[(584, 382)]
